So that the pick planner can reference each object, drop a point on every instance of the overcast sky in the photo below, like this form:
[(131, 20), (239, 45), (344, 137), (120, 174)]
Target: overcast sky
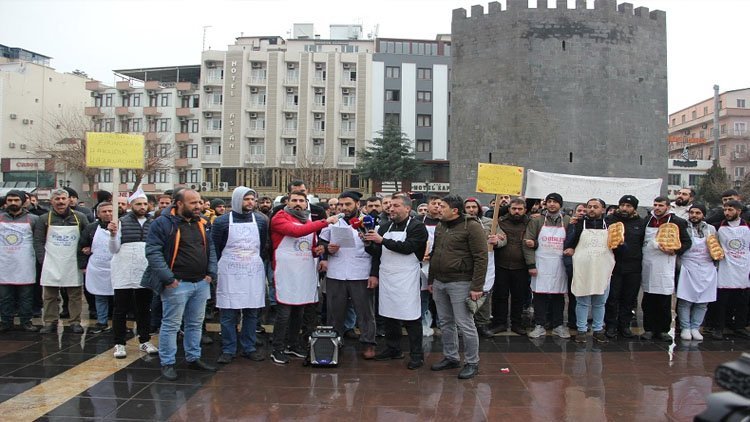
[(706, 39)]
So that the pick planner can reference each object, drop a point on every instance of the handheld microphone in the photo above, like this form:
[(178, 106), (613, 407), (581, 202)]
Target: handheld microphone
[(368, 222)]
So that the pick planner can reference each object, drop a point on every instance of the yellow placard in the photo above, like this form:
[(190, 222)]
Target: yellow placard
[(498, 178), (114, 150)]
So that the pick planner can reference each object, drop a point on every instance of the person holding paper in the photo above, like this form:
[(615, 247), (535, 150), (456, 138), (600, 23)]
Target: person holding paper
[(347, 268)]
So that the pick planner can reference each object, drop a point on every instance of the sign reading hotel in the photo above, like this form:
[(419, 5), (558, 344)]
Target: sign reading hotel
[(499, 179), (114, 150)]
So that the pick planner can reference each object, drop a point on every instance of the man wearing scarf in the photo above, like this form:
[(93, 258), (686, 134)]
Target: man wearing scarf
[(294, 240)]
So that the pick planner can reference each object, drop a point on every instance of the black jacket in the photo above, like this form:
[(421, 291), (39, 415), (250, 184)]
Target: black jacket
[(629, 255), (416, 242), (685, 241), (716, 216)]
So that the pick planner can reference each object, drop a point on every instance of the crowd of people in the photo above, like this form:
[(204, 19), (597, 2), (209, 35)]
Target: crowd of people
[(167, 262)]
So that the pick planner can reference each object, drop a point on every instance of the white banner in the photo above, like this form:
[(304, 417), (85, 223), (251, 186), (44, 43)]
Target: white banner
[(575, 188)]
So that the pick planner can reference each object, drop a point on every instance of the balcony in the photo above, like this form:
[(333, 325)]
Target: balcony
[(349, 161), (212, 106), (257, 131), (185, 87), (211, 133), (347, 132), (152, 86), (289, 132), (350, 107), (318, 106), (152, 136), (348, 82), (182, 137), (95, 86), (255, 158), (256, 106), (181, 162), (93, 111), (123, 86), (317, 159), (184, 112), (288, 159), (291, 79), (739, 157), (211, 158), (290, 107), (319, 81), (123, 111), (257, 79), (318, 132), (151, 111)]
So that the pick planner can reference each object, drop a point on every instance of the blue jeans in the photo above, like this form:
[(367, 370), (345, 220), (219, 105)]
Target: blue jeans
[(351, 317), (424, 296), (271, 286), (596, 304), (186, 302), (8, 302), (229, 319), (102, 309), (691, 314)]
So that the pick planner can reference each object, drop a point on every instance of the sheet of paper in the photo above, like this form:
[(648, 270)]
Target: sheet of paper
[(342, 236)]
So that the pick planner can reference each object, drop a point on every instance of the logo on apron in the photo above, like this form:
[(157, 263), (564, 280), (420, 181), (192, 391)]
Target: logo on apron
[(64, 239), (13, 238), (301, 245)]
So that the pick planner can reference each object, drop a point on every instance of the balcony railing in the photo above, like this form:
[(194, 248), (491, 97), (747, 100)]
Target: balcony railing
[(347, 131), (93, 111), (257, 79), (318, 106), (255, 158), (211, 158), (291, 79), (182, 137), (288, 159), (184, 112), (348, 82), (350, 107), (289, 131), (347, 160)]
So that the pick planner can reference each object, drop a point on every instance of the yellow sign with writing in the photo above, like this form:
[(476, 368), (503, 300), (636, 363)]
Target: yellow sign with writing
[(114, 150), (498, 178)]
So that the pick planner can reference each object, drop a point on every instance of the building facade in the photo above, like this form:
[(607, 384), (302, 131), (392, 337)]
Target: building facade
[(577, 91)]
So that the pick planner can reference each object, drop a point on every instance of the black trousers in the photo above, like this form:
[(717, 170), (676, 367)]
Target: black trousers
[(571, 299), (623, 291), (513, 284), (543, 303), (730, 309), (413, 331), (287, 325), (125, 299), (657, 312)]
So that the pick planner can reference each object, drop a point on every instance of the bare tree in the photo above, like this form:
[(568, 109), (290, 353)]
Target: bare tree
[(159, 156)]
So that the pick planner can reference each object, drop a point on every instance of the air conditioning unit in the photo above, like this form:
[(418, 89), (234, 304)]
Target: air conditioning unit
[(205, 186), (289, 115), (151, 93), (344, 142), (345, 91), (180, 93), (207, 89), (194, 186), (23, 146), (317, 142), (183, 119), (13, 116), (208, 115), (319, 90), (344, 117), (208, 140), (253, 115), (290, 141), (319, 66), (347, 66), (291, 66), (257, 65), (11, 144), (290, 90), (704, 126), (95, 94), (252, 140), (125, 93), (25, 121), (318, 115), (223, 186), (211, 65), (686, 132), (253, 90)]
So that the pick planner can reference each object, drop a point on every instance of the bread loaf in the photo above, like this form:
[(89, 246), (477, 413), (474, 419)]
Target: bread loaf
[(616, 235), (714, 248), (668, 236)]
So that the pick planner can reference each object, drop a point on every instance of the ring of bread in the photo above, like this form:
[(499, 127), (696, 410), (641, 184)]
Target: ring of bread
[(615, 235), (668, 236), (714, 248)]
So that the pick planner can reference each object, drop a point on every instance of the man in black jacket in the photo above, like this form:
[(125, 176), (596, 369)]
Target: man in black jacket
[(626, 277), (716, 215)]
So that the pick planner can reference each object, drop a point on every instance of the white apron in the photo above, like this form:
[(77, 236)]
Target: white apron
[(489, 279), (551, 276), (698, 277), (593, 263), (60, 268), (98, 270), (657, 276), (399, 282), (735, 267), (296, 275), (349, 263), (426, 264), (128, 266), (241, 277), (17, 252)]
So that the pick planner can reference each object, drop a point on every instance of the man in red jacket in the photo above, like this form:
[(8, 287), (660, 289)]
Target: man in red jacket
[(294, 239)]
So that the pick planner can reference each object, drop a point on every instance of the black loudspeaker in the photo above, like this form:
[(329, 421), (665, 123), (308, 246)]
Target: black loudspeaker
[(324, 347)]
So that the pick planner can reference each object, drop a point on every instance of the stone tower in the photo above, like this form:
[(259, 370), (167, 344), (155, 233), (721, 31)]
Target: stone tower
[(578, 91)]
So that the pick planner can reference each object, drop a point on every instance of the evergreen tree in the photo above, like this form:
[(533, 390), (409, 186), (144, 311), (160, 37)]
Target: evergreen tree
[(713, 184), (389, 158)]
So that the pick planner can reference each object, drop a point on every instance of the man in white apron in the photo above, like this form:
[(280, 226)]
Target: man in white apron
[(127, 243), (430, 220), (731, 306), (240, 237), (181, 265), (657, 277), (56, 245), (397, 248), (97, 260), (347, 271), (543, 250), (457, 274), (698, 280), (294, 239), (17, 252), (593, 263)]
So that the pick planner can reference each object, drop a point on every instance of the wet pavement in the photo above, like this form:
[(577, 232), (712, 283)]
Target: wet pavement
[(548, 379)]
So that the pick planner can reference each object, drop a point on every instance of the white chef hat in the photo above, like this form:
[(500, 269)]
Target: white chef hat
[(136, 195)]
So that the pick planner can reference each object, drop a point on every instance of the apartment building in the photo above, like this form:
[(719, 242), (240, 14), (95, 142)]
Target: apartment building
[(691, 133)]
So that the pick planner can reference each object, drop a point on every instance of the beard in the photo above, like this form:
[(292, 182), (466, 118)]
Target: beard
[(188, 214), (13, 208), (264, 208), (516, 218), (681, 202)]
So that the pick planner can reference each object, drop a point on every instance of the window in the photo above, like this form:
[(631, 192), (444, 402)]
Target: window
[(740, 148), (683, 118), (724, 128), (694, 115), (126, 100), (193, 125), (739, 172), (192, 151), (164, 100), (740, 128), (424, 120), (392, 95), (136, 100), (192, 176), (392, 72), (740, 103), (162, 150), (392, 119), (702, 134), (424, 73), (165, 125), (127, 176), (424, 96), (424, 145), (213, 124), (722, 150), (108, 100), (695, 179), (257, 148), (109, 125), (98, 101), (674, 122), (674, 179)]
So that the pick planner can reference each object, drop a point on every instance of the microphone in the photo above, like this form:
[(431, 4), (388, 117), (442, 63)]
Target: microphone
[(368, 222)]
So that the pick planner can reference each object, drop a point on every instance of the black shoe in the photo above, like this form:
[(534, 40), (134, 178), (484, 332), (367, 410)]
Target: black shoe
[(100, 328), (168, 372), (153, 331), (200, 365), (76, 328), (206, 340), (717, 334), (351, 334), (611, 332), (600, 336), (296, 352), (497, 329), (469, 371), (260, 329), (625, 332), (29, 327), (254, 356), (49, 328), (64, 314), (224, 358), (415, 363), (647, 335), (485, 332), (580, 336), (278, 356), (389, 354), (521, 331), (663, 337), (446, 363), (5, 327)]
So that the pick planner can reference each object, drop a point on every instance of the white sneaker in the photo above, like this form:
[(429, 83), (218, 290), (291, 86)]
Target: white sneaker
[(120, 352), (686, 335), (561, 331), (427, 332), (148, 348), (696, 334), (538, 331)]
